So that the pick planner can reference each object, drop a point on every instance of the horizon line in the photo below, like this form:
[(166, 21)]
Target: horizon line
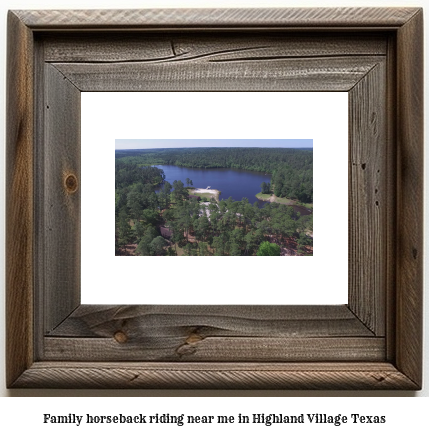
[(145, 144), (178, 148)]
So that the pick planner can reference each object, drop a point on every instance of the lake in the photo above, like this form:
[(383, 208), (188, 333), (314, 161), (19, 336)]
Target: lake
[(233, 183)]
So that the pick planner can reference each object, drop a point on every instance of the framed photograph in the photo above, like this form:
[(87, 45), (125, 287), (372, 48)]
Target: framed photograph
[(222, 78)]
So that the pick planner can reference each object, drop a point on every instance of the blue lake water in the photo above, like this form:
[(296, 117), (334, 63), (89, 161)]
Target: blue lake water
[(233, 183)]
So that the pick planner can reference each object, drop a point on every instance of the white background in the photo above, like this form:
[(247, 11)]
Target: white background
[(406, 414), (317, 279)]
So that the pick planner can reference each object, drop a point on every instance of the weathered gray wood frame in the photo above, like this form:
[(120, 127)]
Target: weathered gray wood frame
[(374, 342)]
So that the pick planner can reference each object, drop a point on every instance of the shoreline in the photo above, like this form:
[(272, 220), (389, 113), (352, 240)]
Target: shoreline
[(212, 193), (286, 201)]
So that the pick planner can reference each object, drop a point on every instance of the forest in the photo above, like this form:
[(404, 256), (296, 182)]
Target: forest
[(156, 218)]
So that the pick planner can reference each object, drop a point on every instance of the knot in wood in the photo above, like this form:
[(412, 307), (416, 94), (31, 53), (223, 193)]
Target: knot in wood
[(193, 337), (120, 337), (71, 183)]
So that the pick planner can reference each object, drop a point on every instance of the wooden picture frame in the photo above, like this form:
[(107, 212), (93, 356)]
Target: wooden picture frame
[(373, 342)]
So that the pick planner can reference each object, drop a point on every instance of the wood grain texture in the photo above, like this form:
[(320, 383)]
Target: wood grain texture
[(99, 321), (213, 333), (61, 169), (215, 376), (330, 74), (178, 347), (19, 200), (409, 279), (168, 47), (368, 202), (230, 18)]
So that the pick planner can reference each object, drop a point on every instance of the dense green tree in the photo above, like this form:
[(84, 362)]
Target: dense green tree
[(219, 245), (235, 249), (157, 245), (124, 233), (139, 230), (268, 249), (170, 252), (251, 241), (144, 247), (203, 249), (150, 217), (177, 233), (164, 197), (202, 228), (134, 204), (129, 173), (179, 192), (189, 250), (265, 188), (168, 215)]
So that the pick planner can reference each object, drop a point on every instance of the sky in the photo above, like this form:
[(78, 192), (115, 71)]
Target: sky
[(127, 144)]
